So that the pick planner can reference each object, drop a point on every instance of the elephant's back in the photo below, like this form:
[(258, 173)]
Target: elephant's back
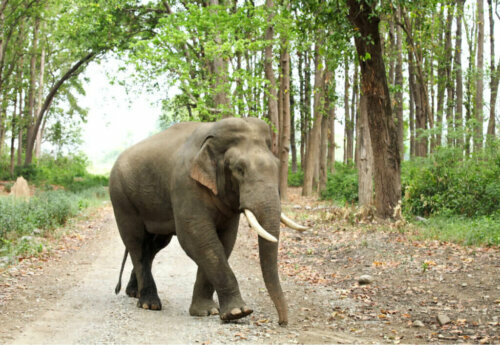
[(144, 169)]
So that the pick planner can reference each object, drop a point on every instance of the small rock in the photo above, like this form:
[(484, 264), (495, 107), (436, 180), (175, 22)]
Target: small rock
[(464, 284), (421, 219), (443, 319), (365, 279), (418, 323)]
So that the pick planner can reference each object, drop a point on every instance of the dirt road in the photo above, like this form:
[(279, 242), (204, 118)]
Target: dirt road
[(69, 297)]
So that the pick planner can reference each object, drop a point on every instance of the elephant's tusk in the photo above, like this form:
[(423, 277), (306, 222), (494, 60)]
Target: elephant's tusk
[(254, 223), (291, 224)]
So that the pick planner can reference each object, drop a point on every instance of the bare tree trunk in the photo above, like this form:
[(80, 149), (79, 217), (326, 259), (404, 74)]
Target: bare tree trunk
[(293, 144), (411, 106), (347, 116), (331, 125), (398, 81), (323, 156), (272, 100), (495, 75), (307, 105), (478, 114), (383, 131), (450, 92), (3, 120), (441, 83), (314, 137), (39, 136), (365, 165), (457, 67), (220, 70), (302, 109), (352, 124), (29, 109), (285, 120)]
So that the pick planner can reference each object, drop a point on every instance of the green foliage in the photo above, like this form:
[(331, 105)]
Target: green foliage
[(446, 184), (22, 220), (483, 230), (342, 184), (69, 172), (295, 179)]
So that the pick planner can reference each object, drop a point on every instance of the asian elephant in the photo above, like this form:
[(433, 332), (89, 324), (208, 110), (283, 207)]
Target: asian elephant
[(193, 180)]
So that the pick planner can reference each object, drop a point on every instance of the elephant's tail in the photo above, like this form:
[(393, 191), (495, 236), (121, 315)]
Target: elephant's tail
[(119, 285)]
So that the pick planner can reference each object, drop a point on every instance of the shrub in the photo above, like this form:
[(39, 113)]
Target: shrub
[(444, 183), (69, 172), (45, 211), (342, 184), (295, 179)]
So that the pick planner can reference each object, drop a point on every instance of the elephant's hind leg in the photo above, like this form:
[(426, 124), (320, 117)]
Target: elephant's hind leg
[(158, 243)]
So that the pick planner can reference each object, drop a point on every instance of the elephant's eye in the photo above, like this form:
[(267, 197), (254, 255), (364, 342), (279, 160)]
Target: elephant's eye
[(240, 171)]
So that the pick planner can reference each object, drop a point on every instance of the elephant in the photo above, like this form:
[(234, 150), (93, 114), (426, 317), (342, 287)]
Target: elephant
[(193, 180)]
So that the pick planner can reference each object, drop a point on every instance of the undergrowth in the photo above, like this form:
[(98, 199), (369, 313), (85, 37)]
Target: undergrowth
[(24, 222)]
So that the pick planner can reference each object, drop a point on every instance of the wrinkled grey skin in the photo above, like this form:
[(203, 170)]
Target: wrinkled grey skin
[(193, 180)]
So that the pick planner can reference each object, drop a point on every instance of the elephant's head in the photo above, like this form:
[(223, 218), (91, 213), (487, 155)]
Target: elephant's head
[(236, 163)]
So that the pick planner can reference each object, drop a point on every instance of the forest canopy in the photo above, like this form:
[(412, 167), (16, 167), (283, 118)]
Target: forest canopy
[(396, 80)]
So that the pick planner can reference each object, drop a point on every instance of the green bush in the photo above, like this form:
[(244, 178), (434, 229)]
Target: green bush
[(69, 172), (45, 211), (295, 179), (446, 184), (342, 184)]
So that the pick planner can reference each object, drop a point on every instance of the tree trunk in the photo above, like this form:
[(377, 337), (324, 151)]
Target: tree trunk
[(285, 120), (331, 125), (450, 92), (478, 113), (423, 113), (39, 136), (302, 109), (352, 123), (314, 137), (29, 110), (272, 98), (365, 165), (457, 67), (383, 131), (494, 75), (347, 116), (441, 82), (325, 122), (398, 81), (411, 106), (48, 101), (293, 144)]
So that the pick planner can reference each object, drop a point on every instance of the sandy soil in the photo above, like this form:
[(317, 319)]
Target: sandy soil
[(68, 296)]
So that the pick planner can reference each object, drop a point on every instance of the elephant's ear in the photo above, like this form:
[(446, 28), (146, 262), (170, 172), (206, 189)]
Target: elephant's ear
[(203, 169)]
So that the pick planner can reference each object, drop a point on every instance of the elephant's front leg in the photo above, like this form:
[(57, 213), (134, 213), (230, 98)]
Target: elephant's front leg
[(201, 242), (202, 303)]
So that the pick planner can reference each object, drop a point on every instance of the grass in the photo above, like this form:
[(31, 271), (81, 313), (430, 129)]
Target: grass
[(479, 231), (25, 224)]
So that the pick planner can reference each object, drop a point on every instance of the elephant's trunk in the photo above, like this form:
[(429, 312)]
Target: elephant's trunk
[(268, 215)]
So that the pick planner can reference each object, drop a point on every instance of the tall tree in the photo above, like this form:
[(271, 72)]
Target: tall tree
[(315, 135), (494, 75), (478, 113), (383, 131), (457, 69)]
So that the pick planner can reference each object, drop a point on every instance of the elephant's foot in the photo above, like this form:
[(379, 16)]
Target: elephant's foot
[(234, 309), (132, 290), (149, 301), (236, 313), (204, 308)]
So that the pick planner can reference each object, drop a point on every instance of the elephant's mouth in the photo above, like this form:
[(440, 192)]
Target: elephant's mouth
[(255, 225)]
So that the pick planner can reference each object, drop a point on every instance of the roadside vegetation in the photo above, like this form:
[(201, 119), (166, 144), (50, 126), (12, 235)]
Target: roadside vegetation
[(62, 190), (445, 196)]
